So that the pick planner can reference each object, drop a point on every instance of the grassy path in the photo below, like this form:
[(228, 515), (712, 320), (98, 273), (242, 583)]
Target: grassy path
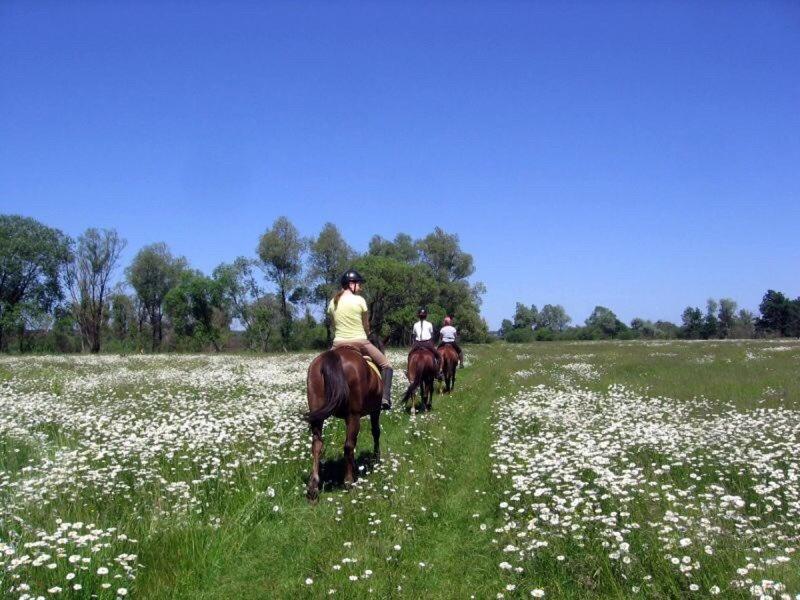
[(411, 527)]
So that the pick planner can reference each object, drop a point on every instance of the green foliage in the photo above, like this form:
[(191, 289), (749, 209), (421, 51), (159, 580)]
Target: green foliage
[(554, 317), (394, 290), (442, 252), (239, 289), (153, 272), (604, 323), (402, 249), (779, 315), (194, 307), (280, 251), (88, 277), (692, 319), (329, 257), (32, 256), (520, 336), (524, 317)]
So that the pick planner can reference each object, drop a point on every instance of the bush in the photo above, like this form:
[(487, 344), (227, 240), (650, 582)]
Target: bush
[(520, 336)]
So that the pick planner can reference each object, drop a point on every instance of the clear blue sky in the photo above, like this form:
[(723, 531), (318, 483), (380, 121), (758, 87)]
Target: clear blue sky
[(639, 155)]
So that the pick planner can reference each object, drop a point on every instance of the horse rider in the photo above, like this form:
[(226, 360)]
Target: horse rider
[(423, 338), (350, 316), (447, 335)]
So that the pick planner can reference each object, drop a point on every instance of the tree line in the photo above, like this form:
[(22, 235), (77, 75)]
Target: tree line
[(779, 316), (58, 293)]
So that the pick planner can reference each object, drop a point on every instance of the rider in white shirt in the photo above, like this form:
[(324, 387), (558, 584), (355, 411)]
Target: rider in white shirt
[(423, 337), (447, 335)]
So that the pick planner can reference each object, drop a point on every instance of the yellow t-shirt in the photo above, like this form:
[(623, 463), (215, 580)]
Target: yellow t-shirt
[(347, 317)]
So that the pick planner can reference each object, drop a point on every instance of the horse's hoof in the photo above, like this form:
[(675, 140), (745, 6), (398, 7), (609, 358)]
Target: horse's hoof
[(312, 496)]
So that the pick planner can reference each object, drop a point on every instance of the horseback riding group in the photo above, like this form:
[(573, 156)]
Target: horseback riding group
[(345, 381)]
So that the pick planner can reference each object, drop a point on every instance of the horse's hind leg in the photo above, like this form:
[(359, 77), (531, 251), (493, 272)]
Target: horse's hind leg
[(375, 420), (353, 425), (316, 451)]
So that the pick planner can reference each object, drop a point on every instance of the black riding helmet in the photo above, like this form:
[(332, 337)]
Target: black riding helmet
[(351, 276)]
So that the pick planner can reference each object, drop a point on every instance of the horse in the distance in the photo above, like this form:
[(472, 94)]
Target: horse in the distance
[(449, 366), (421, 375), (342, 384)]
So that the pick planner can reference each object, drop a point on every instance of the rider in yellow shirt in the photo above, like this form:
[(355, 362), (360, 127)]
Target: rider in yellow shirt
[(350, 316)]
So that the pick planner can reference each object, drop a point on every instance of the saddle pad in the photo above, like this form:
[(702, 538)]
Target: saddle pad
[(373, 366)]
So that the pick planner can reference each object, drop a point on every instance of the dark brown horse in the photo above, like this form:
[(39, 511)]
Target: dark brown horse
[(421, 374), (449, 364), (340, 383)]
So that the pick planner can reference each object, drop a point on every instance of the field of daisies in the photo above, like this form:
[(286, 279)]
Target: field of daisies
[(627, 470)]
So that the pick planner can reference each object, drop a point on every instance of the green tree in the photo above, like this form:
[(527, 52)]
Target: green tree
[(193, 306), (692, 327), (402, 248), (604, 322), (123, 315), (394, 290), (442, 253), (710, 321), (554, 317), (32, 257), (153, 272), (726, 317), (329, 257), (280, 251), (239, 289), (775, 311), (524, 317), (88, 277), (265, 322), (743, 325)]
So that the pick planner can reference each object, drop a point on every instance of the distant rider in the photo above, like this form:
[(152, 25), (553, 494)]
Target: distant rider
[(447, 335), (423, 338), (350, 316)]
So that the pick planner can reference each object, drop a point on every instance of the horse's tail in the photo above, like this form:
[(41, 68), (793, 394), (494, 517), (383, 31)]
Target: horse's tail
[(414, 385), (336, 388)]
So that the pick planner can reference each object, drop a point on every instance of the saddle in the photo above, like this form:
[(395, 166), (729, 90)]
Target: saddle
[(367, 359)]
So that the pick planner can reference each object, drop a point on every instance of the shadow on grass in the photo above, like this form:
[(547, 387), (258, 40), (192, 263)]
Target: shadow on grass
[(331, 472)]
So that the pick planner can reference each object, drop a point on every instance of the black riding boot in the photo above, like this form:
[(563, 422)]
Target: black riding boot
[(386, 375)]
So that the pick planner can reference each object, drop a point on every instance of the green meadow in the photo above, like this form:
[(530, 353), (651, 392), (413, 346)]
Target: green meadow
[(557, 470)]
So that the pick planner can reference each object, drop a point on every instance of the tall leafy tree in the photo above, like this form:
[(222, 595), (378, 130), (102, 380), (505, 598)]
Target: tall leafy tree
[(726, 317), (710, 321), (524, 317), (775, 311), (692, 319), (329, 257), (153, 272), (604, 321), (239, 289), (123, 315), (394, 290), (280, 251), (32, 257), (402, 248), (554, 317), (88, 277), (193, 306), (442, 252)]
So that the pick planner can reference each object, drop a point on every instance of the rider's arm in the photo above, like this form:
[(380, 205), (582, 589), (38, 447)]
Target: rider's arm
[(365, 322)]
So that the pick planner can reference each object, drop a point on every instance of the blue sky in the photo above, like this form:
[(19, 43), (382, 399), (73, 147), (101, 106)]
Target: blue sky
[(639, 155)]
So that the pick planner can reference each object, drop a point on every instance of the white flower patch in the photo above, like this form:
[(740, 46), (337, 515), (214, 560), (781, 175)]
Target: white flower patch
[(158, 437), (580, 464)]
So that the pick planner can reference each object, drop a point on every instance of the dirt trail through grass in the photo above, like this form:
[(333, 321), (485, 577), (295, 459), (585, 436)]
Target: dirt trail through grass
[(411, 527)]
